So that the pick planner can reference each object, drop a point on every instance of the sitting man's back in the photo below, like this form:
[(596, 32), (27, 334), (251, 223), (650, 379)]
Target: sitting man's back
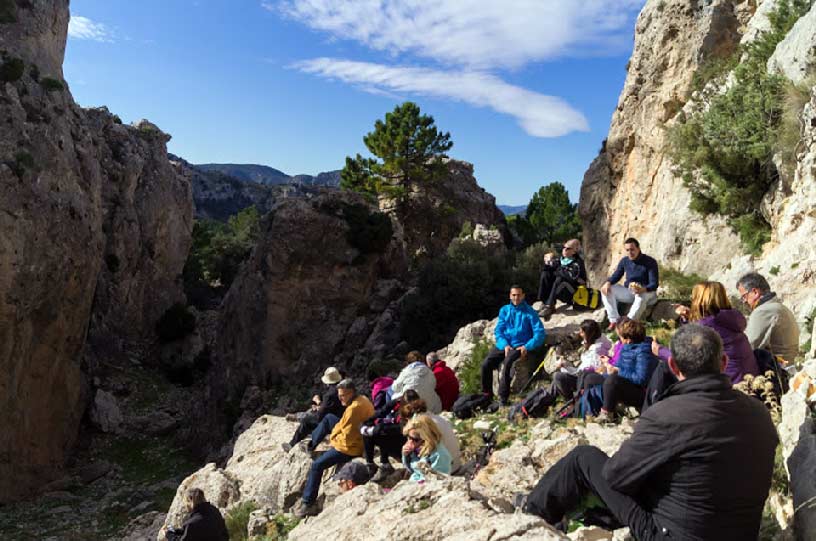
[(698, 465)]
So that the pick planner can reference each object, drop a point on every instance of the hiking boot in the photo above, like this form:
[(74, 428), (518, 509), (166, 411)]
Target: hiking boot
[(286, 447), (384, 471), (493, 407), (303, 510), (546, 312)]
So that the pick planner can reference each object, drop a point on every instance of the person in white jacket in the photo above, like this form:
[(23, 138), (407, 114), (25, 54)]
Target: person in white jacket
[(417, 376)]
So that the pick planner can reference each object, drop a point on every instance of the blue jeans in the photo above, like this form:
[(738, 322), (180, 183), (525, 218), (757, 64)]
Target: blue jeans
[(323, 429), (330, 458)]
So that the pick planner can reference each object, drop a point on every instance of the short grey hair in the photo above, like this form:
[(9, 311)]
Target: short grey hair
[(431, 357), (754, 280), (347, 384), (697, 350)]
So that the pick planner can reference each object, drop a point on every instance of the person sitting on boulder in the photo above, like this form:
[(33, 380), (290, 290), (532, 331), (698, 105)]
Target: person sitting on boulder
[(710, 307), (345, 441), (351, 475), (771, 326), (518, 331), (424, 445), (626, 381), (640, 287), (380, 385), (567, 380), (417, 376), (447, 384), (384, 431), (203, 522), (698, 465), (327, 405), (561, 278), (416, 406)]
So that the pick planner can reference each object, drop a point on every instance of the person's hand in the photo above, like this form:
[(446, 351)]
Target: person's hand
[(523, 351), (559, 364), (682, 311), (636, 288), (507, 350), (605, 288), (655, 348), (408, 448)]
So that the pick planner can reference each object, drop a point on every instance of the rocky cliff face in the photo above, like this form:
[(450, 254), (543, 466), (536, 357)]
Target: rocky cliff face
[(451, 202), (320, 288), (95, 229), (631, 189)]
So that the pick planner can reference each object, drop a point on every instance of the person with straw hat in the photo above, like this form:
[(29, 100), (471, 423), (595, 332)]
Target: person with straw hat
[(329, 403)]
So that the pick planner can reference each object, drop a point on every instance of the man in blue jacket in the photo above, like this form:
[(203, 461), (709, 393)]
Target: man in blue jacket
[(640, 287), (518, 331)]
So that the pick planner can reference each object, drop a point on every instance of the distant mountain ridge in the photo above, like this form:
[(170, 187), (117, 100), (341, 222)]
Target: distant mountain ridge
[(263, 174), (510, 210)]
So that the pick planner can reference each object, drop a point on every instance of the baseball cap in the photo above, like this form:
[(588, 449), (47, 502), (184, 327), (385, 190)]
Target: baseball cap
[(356, 472)]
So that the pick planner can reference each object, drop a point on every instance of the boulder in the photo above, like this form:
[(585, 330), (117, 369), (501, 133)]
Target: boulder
[(144, 527), (105, 413), (794, 55), (220, 489), (420, 511), (460, 350)]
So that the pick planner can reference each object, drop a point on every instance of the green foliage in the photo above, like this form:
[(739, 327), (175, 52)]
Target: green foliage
[(677, 285), (713, 69), (724, 150), (773, 271), (177, 322), (219, 249), (470, 380), (550, 217), (237, 520), (279, 528), (369, 232), (52, 85), (11, 69), (467, 229), (410, 147)]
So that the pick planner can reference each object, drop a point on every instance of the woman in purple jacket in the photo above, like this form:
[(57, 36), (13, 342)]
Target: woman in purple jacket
[(710, 307)]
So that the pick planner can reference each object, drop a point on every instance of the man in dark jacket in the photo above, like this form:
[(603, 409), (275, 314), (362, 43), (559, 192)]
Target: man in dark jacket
[(203, 523), (640, 287), (328, 404), (561, 277), (698, 465)]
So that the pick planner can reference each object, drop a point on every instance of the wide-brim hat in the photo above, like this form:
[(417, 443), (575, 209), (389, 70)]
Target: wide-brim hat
[(331, 376)]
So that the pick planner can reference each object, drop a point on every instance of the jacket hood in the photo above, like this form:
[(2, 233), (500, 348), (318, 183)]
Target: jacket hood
[(728, 319), (440, 364)]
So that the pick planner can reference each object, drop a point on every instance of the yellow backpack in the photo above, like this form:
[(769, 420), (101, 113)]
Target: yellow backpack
[(586, 297)]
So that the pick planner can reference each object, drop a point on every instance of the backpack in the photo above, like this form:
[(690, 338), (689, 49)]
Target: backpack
[(467, 405), (767, 362), (536, 403), (586, 297), (591, 402)]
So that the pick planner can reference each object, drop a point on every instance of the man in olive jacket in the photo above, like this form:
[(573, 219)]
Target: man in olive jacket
[(698, 465), (345, 440)]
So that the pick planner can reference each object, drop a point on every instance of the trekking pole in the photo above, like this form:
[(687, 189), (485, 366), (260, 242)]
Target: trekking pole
[(536, 372)]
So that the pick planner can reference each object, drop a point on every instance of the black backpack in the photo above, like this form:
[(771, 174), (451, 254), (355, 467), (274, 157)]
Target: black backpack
[(767, 362), (468, 404), (537, 402)]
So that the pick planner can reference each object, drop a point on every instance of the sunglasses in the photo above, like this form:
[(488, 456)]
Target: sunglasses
[(415, 439)]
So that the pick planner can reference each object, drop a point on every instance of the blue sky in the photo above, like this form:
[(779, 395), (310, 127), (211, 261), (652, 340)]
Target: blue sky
[(525, 87)]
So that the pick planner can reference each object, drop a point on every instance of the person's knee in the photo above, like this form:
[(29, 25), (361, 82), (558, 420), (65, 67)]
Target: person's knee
[(587, 454)]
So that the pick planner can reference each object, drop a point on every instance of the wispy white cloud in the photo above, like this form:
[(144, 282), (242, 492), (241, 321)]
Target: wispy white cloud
[(473, 33), (84, 28), (538, 114)]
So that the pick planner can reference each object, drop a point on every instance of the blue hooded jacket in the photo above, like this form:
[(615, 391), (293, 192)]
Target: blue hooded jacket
[(636, 362), (519, 326)]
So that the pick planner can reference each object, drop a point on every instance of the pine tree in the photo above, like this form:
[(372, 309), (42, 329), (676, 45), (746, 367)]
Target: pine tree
[(550, 217), (410, 147)]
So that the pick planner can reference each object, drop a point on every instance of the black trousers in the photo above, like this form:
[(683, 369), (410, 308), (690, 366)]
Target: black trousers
[(616, 390), (552, 287), (494, 360), (307, 424), (390, 444), (577, 475)]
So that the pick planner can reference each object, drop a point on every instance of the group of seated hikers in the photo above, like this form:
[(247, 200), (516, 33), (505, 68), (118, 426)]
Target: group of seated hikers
[(700, 460)]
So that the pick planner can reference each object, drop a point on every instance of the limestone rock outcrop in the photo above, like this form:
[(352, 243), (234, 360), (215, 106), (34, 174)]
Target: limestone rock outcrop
[(323, 277), (795, 55), (95, 230), (631, 189), (452, 201)]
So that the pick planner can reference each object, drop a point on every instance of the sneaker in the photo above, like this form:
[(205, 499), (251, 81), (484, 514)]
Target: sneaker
[(384, 471), (286, 447), (303, 510), (546, 312)]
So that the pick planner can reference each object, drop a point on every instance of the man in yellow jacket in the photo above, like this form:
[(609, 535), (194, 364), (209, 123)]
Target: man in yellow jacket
[(345, 440)]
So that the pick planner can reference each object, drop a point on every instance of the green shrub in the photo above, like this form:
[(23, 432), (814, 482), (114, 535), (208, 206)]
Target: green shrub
[(12, 69), (177, 322), (467, 230), (550, 217), (279, 528), (369, 232), (52, 85), (470, 375), (724, 148), (237, 520), (677, 285)]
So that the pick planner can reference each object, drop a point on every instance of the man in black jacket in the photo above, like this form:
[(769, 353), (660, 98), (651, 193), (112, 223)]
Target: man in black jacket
[(561, 277), (203, 523), (327, 404), (698, 465)]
